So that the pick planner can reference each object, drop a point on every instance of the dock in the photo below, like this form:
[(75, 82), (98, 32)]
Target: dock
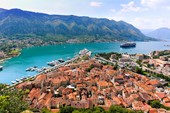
[(50, 69)]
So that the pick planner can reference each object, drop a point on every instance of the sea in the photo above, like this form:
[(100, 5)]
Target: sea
[(39, 56)]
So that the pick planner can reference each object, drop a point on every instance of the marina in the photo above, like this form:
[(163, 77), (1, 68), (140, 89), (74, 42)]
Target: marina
[(49, 69), (53, 63), (16, 67)]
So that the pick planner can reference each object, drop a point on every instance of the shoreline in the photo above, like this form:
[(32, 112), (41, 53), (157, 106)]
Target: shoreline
[(5, 59), (8, 58), (9, 66)]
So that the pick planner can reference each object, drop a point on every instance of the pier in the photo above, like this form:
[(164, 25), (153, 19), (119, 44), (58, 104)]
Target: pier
[(50, 69)]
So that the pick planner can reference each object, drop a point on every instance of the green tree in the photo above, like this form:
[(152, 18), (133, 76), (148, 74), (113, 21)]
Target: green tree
[(98, 110), (155, 104), (115, 67), (119, 109), (138, 70), (76, 111), (67, 109), (45, 110), (12, 102)]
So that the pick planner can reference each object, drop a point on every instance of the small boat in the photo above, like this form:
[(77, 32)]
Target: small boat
[(128, 44), (23, 78), (35, 67), (68, 58), (31, 69), (13, 82), (1, 68), (44, 68), (18, 80), (38, 70), (28, 69), (61, 60), (53, 63)]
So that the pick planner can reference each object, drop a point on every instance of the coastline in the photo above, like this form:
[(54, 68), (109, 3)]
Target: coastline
[(5, 59), (39, 56)]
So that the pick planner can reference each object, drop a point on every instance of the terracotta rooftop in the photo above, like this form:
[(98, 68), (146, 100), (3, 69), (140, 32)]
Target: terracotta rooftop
[(35, 92), (117, 100), (40, 77), (21, 85), (153, 110), (166, 100), (102, 83), (167, 104), (153, 82), (160, 95)]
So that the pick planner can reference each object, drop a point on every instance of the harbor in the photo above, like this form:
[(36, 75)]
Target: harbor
[(16, 67), (49, 69)]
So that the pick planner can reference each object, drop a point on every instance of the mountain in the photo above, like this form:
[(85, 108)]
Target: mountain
[(161, 33), (19, 24), (146, 31), (2, 10)]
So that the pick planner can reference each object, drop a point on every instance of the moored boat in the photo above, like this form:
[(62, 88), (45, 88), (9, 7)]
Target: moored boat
[(18, 80), (1, 68), (53, 63), (13, 82), (61, 60)]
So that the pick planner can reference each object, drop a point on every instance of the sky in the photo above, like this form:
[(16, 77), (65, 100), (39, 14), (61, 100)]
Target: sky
[(143, 14)]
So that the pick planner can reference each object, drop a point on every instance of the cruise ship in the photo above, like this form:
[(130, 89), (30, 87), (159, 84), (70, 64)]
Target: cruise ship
[(85, 51), (128, 44)]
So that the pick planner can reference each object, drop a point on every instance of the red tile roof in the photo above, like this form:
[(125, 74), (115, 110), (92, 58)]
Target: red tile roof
[(160, 95), (40, 77), (167, 104), (102, 83), (34, 93), (153, 110)]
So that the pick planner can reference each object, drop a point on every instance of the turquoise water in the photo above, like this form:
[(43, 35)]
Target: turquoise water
[(39, 56)]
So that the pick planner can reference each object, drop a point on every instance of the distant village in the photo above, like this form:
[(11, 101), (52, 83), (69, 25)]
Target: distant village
[(157, 62), (104, 81)]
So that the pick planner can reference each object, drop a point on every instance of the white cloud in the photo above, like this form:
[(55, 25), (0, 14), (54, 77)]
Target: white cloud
[(150, 23), (95, 4), (155, 3), (168, 8), (131, 6), (149, 3), (113, 10)]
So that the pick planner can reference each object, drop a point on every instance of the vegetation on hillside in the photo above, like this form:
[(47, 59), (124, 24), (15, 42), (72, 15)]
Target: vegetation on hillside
[(12, 101), (20, 29), (157, 104), (112, 109), (58, 28), (107, 55)]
